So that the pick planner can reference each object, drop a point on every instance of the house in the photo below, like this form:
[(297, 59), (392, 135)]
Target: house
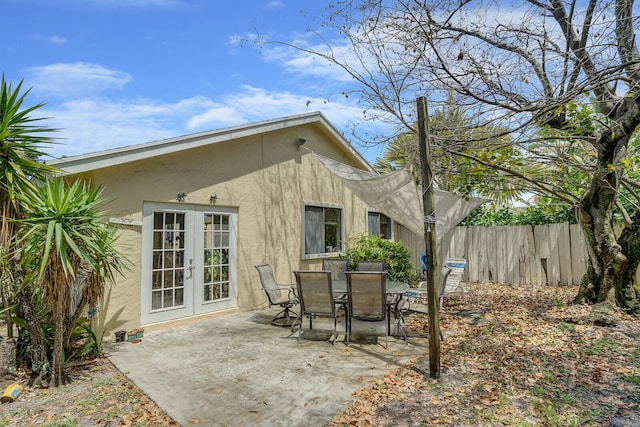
[(198, 212)]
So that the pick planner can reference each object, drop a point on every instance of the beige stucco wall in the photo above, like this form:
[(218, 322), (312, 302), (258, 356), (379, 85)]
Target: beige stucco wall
[(266, 177)]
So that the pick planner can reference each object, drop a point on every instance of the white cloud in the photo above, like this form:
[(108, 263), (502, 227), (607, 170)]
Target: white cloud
[(80, 78), (298, 61), (94, 124), (274, 4), (254, 104), (293, 57), (88, 125), (218, 116), (90, 116), (57, 40)]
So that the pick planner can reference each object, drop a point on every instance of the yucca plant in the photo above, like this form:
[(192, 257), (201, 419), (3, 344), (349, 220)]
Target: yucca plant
[(21, 140), (70, 254)]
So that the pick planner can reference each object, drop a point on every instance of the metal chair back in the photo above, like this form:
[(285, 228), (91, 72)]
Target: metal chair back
[(314, 292), (316, 298), (367, 298), (337, 267), (276, 296), (370, 265), (270, 286)]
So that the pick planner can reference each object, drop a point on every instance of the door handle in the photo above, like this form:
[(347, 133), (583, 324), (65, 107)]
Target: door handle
[(190, 268)]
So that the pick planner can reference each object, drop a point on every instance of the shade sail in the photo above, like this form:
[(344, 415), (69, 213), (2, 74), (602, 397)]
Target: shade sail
[(397, 196)]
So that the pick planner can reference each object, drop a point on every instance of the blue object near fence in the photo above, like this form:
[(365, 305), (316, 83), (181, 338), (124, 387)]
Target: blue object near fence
[(456, 264)]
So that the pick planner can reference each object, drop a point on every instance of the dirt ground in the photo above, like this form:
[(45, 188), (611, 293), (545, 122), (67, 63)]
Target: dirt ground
[(99, 395), (516, 356)]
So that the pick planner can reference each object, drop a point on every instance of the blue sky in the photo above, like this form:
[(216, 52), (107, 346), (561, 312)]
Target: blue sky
[(119, 72)]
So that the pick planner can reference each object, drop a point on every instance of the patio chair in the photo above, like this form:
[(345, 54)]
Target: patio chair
[(454, 281), (370, 265), (316, 299), (416, 298), (337, 267), (276, 296), (367, 299)]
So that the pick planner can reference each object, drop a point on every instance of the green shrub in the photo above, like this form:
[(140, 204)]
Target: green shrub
[(396, 257), (543, 212)]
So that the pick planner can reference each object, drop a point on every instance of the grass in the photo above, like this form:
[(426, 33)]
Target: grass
[(633, 379), (64, 423)]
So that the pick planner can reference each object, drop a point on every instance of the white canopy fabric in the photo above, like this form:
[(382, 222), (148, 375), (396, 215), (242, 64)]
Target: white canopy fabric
[(397, 196)]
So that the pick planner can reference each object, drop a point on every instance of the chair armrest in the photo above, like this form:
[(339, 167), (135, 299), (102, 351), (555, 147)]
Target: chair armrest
[(289, 288)]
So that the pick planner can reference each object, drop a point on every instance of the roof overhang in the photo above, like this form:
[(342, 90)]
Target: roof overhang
[(118, 156)]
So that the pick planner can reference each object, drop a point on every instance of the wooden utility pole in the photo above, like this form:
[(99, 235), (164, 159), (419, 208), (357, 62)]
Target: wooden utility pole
[(430, 242)]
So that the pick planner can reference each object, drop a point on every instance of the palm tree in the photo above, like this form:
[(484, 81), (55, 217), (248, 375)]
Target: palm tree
[(21, 141), (69, 253), (454, 135)]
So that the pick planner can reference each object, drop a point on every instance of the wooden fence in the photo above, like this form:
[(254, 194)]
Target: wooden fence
[(543, 254)]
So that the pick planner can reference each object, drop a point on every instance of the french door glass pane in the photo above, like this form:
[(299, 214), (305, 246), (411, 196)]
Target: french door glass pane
[(167, 288), (216, 257)]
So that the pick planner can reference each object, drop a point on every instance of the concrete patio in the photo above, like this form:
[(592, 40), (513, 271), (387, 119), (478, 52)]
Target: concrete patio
[(239, 370)]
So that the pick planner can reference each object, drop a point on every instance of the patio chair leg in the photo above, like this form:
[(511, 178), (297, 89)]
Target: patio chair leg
[(283, 318), (348, 328), (300, 329), (347, 324), (335, 330), (293, 324), (387, 329), (399, 329)]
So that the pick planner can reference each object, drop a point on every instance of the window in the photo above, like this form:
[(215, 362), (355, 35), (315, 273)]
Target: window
[(323, 229), (380, 225)]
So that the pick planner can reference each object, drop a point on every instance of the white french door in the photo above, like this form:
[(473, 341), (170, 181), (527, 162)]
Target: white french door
[(189, 259)]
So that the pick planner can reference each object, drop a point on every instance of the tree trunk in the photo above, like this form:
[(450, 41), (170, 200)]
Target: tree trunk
[(628, 290), (5, 293), (40, 364), (70, 323), (57, 373), (612, 263), (612, 266)]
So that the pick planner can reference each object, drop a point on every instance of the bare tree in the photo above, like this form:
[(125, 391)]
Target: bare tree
[(561, 78)]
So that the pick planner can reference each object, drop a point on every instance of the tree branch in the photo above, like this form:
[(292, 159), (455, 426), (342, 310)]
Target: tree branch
[(534, 183)]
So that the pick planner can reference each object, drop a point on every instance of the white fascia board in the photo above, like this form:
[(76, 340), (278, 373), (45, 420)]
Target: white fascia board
[(116, 156)]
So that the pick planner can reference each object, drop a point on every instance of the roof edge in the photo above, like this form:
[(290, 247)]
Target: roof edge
[(116, 156)]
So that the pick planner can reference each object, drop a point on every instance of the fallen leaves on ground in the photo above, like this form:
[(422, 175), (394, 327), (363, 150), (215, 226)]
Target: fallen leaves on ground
[(99, 395), (513, 355)]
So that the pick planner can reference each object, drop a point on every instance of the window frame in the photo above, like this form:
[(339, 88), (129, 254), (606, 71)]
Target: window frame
[(391, 224), (342, 233)]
